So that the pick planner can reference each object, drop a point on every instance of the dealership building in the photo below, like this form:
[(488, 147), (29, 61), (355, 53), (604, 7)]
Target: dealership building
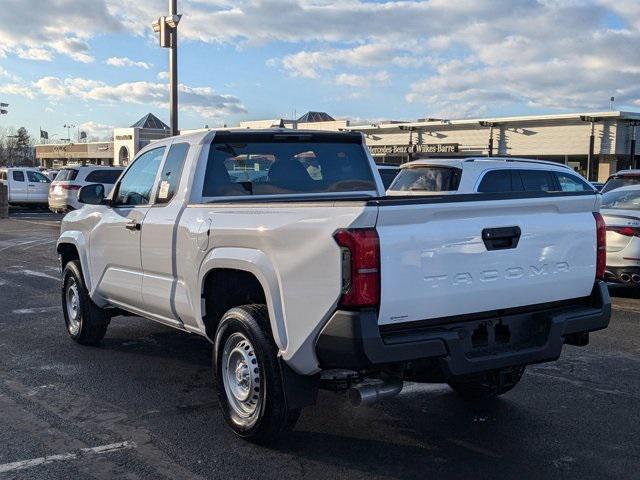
[(595, 144)]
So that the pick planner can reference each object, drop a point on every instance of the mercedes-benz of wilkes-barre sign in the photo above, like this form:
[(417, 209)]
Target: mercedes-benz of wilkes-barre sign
[(420, 148)]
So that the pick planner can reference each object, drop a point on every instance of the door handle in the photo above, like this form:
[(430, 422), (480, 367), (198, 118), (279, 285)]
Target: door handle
[(133, 225), (501, 238)]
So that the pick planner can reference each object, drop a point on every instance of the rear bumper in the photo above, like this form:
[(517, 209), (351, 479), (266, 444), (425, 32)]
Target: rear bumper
[(353, 340)]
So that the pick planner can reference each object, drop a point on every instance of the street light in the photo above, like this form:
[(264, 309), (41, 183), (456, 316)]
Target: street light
[(69, 126), (167, 29)]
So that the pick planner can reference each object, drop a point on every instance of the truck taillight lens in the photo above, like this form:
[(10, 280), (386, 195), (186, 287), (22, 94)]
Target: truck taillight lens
[(626, 231), (360, 256), (601, 246), (70, 187)]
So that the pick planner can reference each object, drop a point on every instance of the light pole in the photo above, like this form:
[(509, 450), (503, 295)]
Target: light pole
[(167, 28), (490, 125), (592, 141), (69, 127), (632, 149)]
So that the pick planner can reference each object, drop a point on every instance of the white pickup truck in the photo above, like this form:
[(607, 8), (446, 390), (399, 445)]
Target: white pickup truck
[(280, 248)]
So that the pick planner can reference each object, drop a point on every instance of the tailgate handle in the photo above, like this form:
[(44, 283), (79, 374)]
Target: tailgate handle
[(501, 238)]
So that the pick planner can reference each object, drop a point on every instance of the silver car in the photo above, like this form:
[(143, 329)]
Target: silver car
[(621, 212)]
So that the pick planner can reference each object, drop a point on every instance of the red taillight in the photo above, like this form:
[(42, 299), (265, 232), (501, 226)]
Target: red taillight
[(626, 231), (360, 255), (601, 246), (70, 187)]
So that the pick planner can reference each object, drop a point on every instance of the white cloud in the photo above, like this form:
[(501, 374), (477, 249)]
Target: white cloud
[(97, 130), (362, 81), (127, 62), (203, 101), (41, 29), (162, 76)]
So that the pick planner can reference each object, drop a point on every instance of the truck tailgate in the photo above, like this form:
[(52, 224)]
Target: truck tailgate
[(441, 258)]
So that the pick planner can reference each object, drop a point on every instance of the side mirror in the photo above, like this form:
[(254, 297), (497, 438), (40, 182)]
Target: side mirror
[(91, 194)]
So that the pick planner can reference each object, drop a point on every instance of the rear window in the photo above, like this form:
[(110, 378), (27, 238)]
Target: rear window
[(103, 176), (622, 199), (621, 181), (67, 175), (427, 179), (537, 181), (388, 175), (244, 165)]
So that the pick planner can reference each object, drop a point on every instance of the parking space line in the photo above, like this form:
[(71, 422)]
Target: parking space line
[(27, 311), (34, 462), (34, 273)]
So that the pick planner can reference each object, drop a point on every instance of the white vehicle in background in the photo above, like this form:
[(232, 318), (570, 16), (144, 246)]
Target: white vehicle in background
[(27, 186), (63, 194), (621, 212), (485, 175), (302, 280), (51, 174), (622, 178), (387, 174)]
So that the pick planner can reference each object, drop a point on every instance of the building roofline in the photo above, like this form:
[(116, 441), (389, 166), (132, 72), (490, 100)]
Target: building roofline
[(622, 115)]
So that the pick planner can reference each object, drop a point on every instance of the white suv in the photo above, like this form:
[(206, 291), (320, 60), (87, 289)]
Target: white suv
[(63, 194), (484, 175)]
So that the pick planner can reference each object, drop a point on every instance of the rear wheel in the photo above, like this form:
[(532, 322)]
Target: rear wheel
[(86, 322), (248, 377), (487, 384)]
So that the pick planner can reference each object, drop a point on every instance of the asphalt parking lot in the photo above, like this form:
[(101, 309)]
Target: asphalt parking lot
[(142, 405)]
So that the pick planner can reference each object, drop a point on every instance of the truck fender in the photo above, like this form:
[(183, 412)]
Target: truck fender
[(77, 239), (257, 263)]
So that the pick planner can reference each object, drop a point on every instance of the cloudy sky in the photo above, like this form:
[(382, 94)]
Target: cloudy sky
[(96, 63)]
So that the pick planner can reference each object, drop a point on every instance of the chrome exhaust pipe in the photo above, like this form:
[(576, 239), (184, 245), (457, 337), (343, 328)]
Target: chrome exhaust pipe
[(635, 278), (625, 277), (373, 391)]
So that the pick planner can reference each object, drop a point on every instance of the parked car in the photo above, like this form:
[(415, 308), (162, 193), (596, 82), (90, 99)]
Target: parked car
[(293, 277), (27, 186), (484, 175), (63, 194), (388, 174), (621, 212), (51, 174), (623, 178)]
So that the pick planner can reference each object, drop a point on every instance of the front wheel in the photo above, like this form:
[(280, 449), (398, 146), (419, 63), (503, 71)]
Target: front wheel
[(86, 322), (248, 377), (488, 384)]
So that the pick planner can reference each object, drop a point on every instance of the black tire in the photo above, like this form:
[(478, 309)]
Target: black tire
[(270, 418), (90, 323), (488, 384)]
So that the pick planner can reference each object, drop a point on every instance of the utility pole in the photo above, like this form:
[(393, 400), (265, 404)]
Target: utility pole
[(167, 28)]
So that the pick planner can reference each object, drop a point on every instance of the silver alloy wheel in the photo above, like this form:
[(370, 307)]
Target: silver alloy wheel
[(73, 307), (241, 378)]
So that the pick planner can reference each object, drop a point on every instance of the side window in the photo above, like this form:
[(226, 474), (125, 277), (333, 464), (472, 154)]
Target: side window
[(496, 181), (537, 181), (108, 176), (172, 172), (137, 183), (37, 177), (18, 176), (571, 183)]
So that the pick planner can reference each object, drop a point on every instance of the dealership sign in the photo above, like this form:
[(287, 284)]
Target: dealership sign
[(420, 148)]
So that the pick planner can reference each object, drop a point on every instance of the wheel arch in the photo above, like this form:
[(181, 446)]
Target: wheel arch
[(72, 246), (223, 271)]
